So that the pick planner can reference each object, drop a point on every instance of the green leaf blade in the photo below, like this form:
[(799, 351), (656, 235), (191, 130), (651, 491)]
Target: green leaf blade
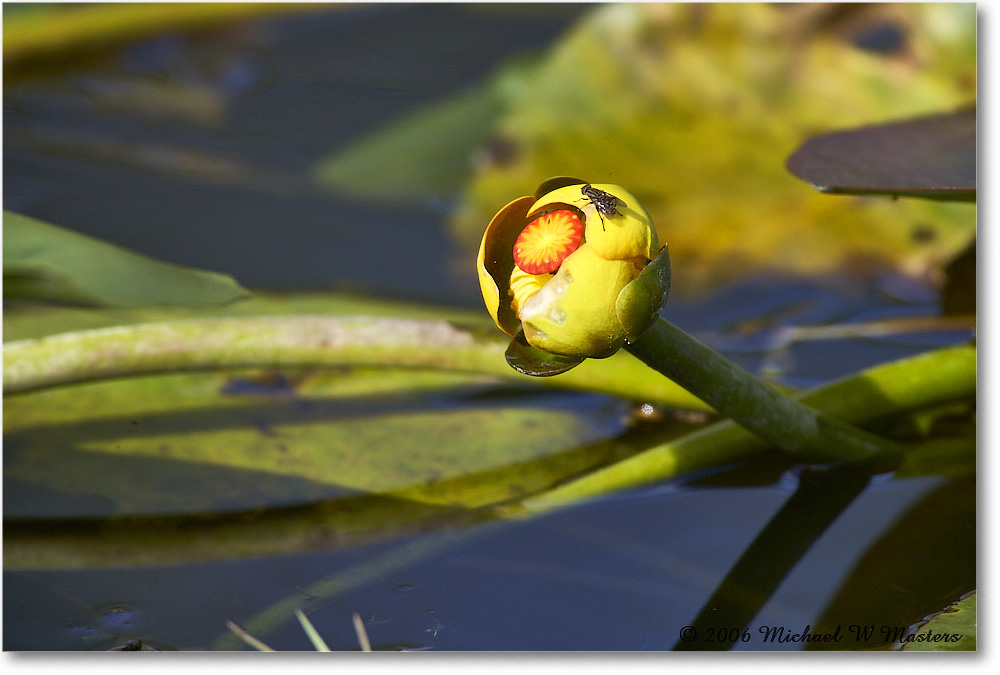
[(49, 263)]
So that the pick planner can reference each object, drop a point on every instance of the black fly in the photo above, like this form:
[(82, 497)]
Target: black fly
[(606, 203)]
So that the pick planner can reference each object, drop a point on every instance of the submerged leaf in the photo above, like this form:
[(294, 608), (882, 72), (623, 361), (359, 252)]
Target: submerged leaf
[(425, 154), (46, 262)]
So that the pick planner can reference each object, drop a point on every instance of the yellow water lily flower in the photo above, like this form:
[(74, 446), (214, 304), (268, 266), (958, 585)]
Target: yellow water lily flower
[(555, 266)]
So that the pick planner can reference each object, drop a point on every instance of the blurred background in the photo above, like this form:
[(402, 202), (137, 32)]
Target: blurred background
[(197, 137), (365, 147)]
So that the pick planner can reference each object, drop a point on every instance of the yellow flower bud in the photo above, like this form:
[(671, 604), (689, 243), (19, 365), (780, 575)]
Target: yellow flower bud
[(554, 268)]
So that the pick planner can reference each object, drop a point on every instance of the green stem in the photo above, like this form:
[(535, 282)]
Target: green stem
[(220, 343), (292, 341), (797, 429)]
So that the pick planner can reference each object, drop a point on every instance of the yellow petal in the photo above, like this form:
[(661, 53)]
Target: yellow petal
[(574, 314), (524, 285), (496, 262), (628, 234)]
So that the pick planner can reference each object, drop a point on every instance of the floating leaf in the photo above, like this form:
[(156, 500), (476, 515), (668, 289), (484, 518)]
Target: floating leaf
[(207, 466), (932, 157), (46, 262), (188, 444), (953, 629)]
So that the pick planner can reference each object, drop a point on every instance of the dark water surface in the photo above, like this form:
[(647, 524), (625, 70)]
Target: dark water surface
[(623, 573), (294, 90)]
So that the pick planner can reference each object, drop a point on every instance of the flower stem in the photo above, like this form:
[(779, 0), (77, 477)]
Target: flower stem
[(302, 340), (797, 429)]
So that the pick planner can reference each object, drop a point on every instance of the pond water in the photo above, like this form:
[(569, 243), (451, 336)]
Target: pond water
[(221, 183)]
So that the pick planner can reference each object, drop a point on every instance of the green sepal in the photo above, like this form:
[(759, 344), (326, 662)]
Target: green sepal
[(528, 360), (640, 302)]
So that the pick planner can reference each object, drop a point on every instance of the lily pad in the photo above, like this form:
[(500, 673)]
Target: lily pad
[(203, 466), (932, 157), (206, 443), (46, 262), (953, 629)]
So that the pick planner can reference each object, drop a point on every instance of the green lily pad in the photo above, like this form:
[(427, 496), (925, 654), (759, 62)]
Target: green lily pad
[(49, 263), (203, 466), (210, 443), (932, 157), (953, 629)]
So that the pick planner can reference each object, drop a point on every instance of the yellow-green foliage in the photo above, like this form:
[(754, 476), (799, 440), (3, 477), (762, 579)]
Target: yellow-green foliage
[(695, 109)]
